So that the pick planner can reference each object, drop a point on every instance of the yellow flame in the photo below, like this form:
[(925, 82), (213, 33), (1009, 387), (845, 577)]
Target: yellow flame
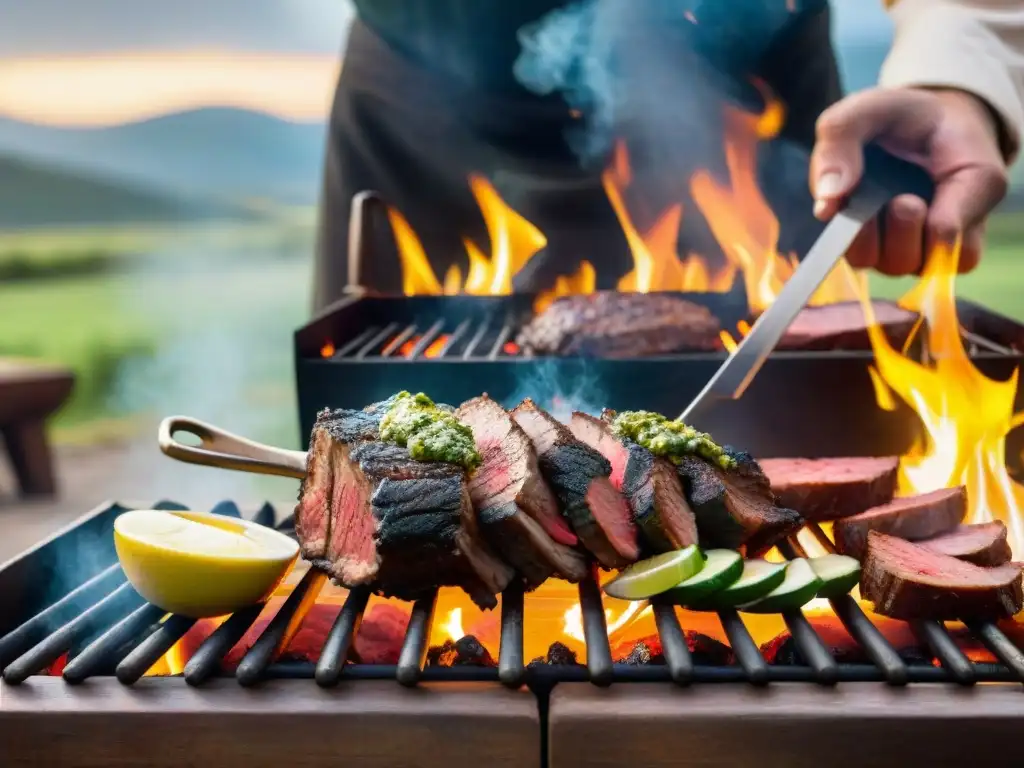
[(573, 621), (965, 414), (453, 624)]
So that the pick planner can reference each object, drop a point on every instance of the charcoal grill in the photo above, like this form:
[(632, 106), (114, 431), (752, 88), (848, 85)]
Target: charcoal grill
[(114, 637)]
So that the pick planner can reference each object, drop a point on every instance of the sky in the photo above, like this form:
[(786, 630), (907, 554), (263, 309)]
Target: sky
[(101, 62)]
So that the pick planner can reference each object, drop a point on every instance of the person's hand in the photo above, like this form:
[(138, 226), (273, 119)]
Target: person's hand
[(951, 134)]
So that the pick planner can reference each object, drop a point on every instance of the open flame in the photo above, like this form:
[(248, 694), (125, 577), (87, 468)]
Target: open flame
[(966, 415)]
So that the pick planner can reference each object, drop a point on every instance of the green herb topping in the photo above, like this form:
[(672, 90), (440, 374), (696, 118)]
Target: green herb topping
[(430, 433), (668, 438)]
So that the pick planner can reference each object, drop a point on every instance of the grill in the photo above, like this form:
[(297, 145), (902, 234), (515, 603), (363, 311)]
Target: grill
[(108, 629)]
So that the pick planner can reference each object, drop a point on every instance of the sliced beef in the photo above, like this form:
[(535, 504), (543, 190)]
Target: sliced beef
[(736, 508), (612, 324), (518, 513), (649, 483), (829, 489), (844, 326), (906, 581), (914, 518), (981, 544), (579, 476), (334, 432), (402, 525)]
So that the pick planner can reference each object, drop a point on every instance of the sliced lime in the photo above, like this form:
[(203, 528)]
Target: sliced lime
[(838, 573), (721, 568), (759, 577), (653, 576), (798, 588)]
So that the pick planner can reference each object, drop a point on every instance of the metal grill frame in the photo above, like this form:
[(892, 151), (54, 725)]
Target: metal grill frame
[(125, 634)]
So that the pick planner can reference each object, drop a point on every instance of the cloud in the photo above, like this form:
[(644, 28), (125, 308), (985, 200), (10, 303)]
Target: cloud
[(49, 27)]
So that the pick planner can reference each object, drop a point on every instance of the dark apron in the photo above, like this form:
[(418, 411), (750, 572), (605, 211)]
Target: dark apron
[(414, 136)]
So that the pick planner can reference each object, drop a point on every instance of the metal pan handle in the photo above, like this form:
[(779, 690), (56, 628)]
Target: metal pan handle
[(227, 451)]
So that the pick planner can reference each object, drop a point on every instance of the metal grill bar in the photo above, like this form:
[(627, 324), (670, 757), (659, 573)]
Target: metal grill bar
[(101, 651), (811, 648), (398, 341), (35, 630), (259, 656), (499, 342), (425, 340), (511, 660), (417, 637), (336, 646), (945, 649), (1000, 646), (474, 342), (455, 338), (355, 343), (376, 340), (673, 644), (743, 645), (206, 660), (149, 651), (40, 656), (595, 632)]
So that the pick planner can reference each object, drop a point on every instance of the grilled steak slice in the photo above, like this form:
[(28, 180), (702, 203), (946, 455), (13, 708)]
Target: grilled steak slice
[(649, 483), (829, 489), (844, 326), (736, 508), (579, 476), (333, 431), (906, 581), (981, 544), (612, 324), (913, 518), (518, 513)]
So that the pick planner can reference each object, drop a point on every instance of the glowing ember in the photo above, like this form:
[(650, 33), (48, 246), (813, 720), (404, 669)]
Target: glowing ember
[(327, 350), (966, 415)]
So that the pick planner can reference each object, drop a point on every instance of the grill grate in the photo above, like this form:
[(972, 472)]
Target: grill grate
[(134, 635), (486, 338)]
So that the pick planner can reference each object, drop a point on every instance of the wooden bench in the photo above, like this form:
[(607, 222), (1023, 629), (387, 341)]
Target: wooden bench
[(31, 392)]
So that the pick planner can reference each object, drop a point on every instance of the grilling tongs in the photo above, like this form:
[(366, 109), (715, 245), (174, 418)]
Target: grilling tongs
[(885, 177)]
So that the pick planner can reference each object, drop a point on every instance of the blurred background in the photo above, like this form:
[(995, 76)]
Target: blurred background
[(159, 171)]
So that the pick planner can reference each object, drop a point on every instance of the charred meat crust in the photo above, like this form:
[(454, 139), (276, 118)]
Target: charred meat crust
[(579, 476), (736, 508), (914, 518), (518, 513), (649, 483), (613, 324), (906, 581)]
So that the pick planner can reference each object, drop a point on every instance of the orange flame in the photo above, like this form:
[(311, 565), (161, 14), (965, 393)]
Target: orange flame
[(966, 415), (514, 241), (327, 350)]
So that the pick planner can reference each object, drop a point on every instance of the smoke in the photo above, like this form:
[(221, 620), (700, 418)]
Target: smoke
[(560, 387), (223, 314)]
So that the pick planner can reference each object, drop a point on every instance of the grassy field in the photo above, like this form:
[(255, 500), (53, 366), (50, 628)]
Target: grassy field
[(199, 320)]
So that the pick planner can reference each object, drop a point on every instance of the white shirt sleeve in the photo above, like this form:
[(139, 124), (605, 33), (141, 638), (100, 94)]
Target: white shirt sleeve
[(971, 45)]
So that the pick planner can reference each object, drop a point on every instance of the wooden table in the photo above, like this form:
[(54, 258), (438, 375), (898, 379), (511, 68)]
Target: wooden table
[(30, 393), (164, 723)]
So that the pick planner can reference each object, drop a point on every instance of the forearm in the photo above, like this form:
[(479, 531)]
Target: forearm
[(971, 45)]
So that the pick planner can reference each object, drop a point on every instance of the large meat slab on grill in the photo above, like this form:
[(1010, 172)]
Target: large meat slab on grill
[(833, 488), (518, 513), (650, 484), (981, 544), (736, 507), (844, 325), (906, 581), (369, 513), (913, 518), (580, 477), (612, 324)]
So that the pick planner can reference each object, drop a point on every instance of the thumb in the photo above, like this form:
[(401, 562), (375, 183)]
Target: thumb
[(901, 119)]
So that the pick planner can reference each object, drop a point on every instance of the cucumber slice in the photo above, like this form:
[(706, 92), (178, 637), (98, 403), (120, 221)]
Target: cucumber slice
[(759, 577), (721, 568), (653, 576), (838, 573), (797, 589)]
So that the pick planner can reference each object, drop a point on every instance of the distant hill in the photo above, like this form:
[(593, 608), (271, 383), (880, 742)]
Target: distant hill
[(227, 153), (34, 194)]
